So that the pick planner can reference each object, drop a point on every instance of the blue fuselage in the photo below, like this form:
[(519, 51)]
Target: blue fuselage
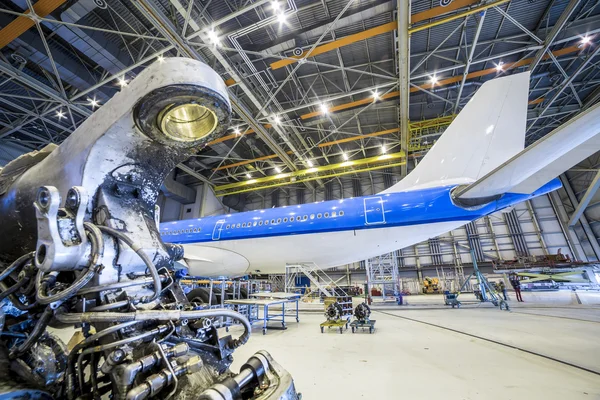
[(418, 207)]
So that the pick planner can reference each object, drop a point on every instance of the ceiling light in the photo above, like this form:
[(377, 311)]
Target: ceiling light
[(500, 66), (93, 102), (383, 149), (585, 40), (275, 5), (433, 80), (237, 131), (310, 163), (160, 59), (276, 119), (375, 95), (278, 170), (324, 108), (60, 114), (281, 17), (248, 176), (345, 156), (213, 37), (122, 81)]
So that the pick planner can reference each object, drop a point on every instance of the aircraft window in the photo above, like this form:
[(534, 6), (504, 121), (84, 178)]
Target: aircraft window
[(304, 218), (227, 227), (272, 221), (326, 215), (298, 218), (238, 225), (319, 215), (333, 214), (260, 223), (278, 220), (312, 216), (285, 220), (341, 213), (244, 225), (267, 222), (249, 224), (254, 223)]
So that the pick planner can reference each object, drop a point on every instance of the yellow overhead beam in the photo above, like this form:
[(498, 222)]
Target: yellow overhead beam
[(443, 82), (378, 30), (21, 24), (456, 16), (328, 171)]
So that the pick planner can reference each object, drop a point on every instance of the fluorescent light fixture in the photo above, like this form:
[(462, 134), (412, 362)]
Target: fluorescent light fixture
[(275, 5), (60, 114), (281, 17), (310, 163), (278, 170), (433, 79), (345, 156), (237, 130), (585, 40), (500, 66), (248, 176), (160, 59), (324, 108), (383, 149), (122, 81), (375, 95), (276, 119)]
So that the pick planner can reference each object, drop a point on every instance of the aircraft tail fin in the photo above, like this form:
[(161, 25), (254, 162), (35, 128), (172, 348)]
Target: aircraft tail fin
[(486, 133), (561, 149)]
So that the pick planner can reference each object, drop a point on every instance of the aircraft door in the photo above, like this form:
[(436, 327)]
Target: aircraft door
[(374, 212), (218, 228)]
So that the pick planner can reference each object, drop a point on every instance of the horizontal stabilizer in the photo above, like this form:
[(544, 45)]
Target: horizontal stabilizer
[(543, 161)]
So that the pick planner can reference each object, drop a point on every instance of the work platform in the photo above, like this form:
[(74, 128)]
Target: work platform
[(251, 308)]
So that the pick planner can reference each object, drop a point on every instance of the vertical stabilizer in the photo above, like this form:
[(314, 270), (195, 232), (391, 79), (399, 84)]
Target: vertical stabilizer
[(489, 130)]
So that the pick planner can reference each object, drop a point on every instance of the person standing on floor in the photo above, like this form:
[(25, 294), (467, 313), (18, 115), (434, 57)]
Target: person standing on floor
[(502, 288), (516, 284)]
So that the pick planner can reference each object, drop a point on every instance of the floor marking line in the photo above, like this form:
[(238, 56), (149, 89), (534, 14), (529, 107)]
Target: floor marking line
[(495, 342)]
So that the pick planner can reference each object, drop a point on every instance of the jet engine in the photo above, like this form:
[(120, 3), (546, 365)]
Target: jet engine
[(362, 312), (334, 311), (80, 247)]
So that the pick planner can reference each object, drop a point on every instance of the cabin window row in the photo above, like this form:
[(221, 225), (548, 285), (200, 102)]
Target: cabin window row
[(299, 218), (182, 231)]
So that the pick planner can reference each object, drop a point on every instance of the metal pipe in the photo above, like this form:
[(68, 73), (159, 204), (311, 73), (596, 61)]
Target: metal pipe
[(157, 315)]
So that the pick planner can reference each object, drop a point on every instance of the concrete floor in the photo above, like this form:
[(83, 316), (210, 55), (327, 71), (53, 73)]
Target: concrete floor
[(409, 359)]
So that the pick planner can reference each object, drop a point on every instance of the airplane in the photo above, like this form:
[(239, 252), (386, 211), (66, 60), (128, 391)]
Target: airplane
[(477, 167)]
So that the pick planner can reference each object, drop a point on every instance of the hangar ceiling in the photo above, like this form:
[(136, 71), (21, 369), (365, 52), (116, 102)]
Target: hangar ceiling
[(316, 85)]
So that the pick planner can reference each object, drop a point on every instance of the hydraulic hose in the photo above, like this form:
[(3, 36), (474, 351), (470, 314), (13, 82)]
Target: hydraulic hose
[(38, 330), (16, 301), (20, 283), (140, 252), (96, 251), (157, 315), (15, 265)]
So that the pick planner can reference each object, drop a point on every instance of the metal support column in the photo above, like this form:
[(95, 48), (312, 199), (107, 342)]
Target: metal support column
[(404, 75), (589, 233)]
